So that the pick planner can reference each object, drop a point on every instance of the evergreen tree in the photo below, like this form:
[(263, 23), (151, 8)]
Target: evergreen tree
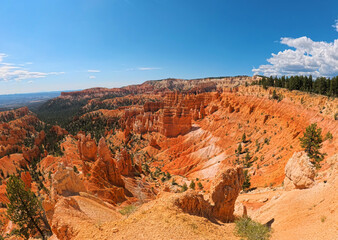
[(25, 210), (246, 184), (184, 187), (312, 142), (244, 138), (192, 184), (239, 149)]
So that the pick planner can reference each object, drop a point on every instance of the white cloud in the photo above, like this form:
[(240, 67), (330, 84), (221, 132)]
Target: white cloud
[(147, 68), (307, 58), (92, 77), (335, 25), (2, 56), (10, 72), (93, 71)]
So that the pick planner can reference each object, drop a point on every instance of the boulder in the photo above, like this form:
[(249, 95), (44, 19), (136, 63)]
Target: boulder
[(299, 172)]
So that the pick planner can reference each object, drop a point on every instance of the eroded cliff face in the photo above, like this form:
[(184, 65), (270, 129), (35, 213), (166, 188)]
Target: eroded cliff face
[(192, 135), (16, 126), (272, 130)]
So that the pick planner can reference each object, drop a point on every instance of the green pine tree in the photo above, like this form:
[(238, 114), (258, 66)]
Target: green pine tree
[(312, 142), (25, 210), (184, 187), (192, 184), (244, 138)]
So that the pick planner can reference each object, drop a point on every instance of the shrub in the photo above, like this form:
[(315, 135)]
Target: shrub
[(328, 136), (75, 169), (200, 186), (168, 176), (127, 210), (251, 230), (173, 182), (184, 187), (192, 184)]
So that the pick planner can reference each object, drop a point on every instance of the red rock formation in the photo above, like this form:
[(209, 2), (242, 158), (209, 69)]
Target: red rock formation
[(31, 154), (153, 106), (87, 147), (66, 182), (105, 179), (58, 130), (223, 194), (124, 163), (175, 122), (27, 179), (40, 138)]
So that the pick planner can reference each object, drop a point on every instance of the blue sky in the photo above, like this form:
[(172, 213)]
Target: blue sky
[(59, 45)]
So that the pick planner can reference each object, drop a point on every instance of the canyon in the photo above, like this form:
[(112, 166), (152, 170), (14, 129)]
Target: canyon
[(120, 171)]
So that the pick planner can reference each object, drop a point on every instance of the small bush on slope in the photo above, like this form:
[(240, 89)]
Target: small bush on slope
[(251, 230), (127, 210)]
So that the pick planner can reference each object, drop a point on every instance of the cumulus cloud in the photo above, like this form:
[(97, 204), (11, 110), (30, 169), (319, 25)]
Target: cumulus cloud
[(307, 58), (10, 72), (335, 25), (92, 77), (93, 71)]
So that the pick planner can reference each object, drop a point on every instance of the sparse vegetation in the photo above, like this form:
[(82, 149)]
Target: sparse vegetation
[(127, 210), (323, 219), (328, 136), (251, 230)]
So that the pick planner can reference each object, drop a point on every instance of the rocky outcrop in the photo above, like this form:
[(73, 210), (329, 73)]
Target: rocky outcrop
[(31, 154), (124, 163), (175, 122), (66, 210), (105, 180), (59, 131), (27, 179), (153, 106), (299, 172), (87, 147), (223, 194), (66, 182)]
